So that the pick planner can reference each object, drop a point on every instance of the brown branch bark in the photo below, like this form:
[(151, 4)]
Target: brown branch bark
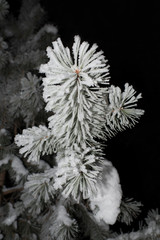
[(12, 190), (2, 179)]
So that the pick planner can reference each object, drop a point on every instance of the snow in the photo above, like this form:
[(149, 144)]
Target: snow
[(63, 216), (9, 220), (12, 215), (18, 168), (51, 29), (16, 165), (77, 173), (3, 131), (5, 160), (42, 165), (106, 203), (34, 142), (152, 228)]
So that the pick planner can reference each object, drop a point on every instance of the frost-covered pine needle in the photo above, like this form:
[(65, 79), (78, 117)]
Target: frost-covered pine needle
[(79, 110), (63, 226), (122, 111), (35, 141), (77, 173)]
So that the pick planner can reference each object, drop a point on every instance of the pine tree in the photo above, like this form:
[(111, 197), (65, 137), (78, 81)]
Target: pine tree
[(23, 40), (60, 111)]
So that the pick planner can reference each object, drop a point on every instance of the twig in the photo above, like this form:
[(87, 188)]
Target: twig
[(12, 190), (2, 178)]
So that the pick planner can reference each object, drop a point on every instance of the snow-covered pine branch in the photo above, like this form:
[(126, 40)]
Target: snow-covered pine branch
[(150, 231), (84, 110), (38, 191), (35, 141), (79, 110), (16, 167), (12, 213), (77, 172), (130, 209), (63, 225), (58, 224), (122, 111)]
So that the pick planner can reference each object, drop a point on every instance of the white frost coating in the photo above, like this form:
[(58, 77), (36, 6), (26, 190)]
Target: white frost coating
[(3, 131), (16, 165), (1, 236), (12, 215), (18, 168), (5, 160), (51, 29), (63, 216), (9, 220), (77, 173), (62, 226), (34, 141), (106, 203), (43, 165), (122, 111), (151, 231), (67, 92), (87, 66)]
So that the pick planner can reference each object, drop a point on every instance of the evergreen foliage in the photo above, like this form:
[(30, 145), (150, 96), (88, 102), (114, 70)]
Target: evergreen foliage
[(23, 41), (61, 109)]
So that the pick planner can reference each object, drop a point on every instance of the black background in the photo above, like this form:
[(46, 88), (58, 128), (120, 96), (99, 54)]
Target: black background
[(129, 34)]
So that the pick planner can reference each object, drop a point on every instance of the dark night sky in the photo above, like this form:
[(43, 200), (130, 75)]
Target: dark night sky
[(129, 34)]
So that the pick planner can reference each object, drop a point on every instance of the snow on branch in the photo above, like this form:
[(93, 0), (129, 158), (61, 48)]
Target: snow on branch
[(12, 213), (77, 173), (150, 231), (69, 92), (35, 141), (84, 111), (59, 224), (63, 225), (38, 190), (122, 112), (86, 65), (16, 166)]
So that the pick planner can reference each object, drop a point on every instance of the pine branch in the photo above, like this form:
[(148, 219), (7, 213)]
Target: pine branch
[(38, 191), (129, 210), (89, 227), (77, 172), (4, 6), (69, 85), (83, 110), (122, 112), (36, 141)]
